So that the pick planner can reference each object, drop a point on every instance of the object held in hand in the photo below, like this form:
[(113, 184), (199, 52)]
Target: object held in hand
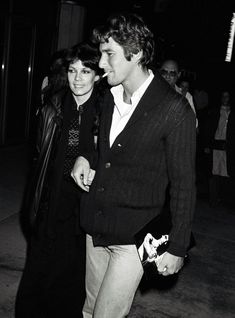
[(152, 250)]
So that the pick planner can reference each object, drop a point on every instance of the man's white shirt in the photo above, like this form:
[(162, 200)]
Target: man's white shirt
[(122, 111)]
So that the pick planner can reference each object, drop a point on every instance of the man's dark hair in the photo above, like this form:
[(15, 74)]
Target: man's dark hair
[(130, 32)]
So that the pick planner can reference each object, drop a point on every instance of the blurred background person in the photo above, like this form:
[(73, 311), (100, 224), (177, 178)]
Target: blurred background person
[(169, 70), (200, 96), (201, 102), (221, 142), (185, 87)]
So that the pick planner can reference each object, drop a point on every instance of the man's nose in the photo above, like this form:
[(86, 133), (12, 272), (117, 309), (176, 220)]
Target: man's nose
[(102, 62)]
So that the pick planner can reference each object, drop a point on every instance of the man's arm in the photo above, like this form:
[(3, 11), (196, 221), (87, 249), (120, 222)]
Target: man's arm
[(170, 264), (180, 148)]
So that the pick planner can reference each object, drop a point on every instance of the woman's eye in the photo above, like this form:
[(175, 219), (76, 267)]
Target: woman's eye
[(70, 70), (86, 71)]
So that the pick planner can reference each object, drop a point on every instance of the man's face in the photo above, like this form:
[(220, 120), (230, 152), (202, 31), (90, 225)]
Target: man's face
[(114, 62), (184, 85), (169, 70)]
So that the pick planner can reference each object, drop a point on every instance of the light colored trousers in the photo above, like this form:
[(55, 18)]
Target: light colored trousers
[(113, 274)]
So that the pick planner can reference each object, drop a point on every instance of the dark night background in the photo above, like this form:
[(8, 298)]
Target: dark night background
[(195, 32)]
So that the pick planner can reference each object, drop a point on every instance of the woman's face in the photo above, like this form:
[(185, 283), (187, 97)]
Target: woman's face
[(184, 85), (225, 98), (81, 79)]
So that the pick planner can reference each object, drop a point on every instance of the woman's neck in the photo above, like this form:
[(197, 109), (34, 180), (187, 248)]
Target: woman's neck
[(81, 99)]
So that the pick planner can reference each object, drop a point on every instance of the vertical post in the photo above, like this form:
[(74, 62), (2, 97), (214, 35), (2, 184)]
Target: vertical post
[(71, 24)]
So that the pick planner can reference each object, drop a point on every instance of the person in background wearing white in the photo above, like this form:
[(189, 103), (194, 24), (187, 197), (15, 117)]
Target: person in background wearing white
[(169, 70)]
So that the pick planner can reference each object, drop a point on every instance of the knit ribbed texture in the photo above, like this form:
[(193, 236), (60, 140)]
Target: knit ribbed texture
[(157, 146), (73, 143)]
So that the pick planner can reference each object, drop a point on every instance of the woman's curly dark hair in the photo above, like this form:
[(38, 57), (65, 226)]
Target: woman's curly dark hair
[(57, 75), (87, 53), (129, 31)]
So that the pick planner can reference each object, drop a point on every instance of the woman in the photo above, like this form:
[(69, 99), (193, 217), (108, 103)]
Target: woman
[(52, 284)]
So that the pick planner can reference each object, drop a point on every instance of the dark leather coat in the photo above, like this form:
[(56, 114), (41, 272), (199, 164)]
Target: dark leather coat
[(50, 123), (46, 182)]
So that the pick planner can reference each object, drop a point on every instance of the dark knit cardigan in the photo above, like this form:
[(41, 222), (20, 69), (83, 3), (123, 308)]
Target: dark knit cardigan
[(156, 147)]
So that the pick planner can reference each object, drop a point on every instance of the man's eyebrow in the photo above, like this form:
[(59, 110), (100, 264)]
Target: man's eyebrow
[(164, 69), (105, 50)]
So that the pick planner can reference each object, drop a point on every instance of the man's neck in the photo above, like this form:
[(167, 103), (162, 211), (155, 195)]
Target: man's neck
[(126, 98), (133, 83)]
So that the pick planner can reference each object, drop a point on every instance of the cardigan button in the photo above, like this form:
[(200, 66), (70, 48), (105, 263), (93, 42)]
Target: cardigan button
[(99, 213), (101, 189), (107, 165)]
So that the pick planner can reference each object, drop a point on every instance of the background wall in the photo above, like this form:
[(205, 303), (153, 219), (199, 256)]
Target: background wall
[(30, 33), (194, 32)]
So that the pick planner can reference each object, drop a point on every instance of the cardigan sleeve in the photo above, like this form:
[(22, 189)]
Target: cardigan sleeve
[(180, 154)]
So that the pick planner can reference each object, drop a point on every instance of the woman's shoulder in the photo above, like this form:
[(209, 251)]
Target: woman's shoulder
[(56, 101), (59, 96)]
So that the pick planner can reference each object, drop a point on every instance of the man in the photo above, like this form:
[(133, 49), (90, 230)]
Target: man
[(170, 71), (146, 140)]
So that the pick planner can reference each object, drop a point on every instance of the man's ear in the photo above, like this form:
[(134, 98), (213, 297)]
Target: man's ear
[(136, 57)]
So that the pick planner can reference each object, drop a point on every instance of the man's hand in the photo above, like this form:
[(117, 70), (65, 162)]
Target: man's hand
[(170, 264), (82, 174)]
